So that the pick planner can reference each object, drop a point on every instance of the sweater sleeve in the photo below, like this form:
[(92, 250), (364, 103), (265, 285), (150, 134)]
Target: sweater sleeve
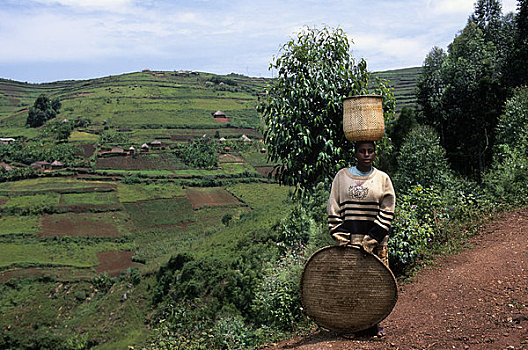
[(385, 215), (333, 208)]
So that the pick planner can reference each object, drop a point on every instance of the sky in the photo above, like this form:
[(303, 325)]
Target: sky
[(52, 40)]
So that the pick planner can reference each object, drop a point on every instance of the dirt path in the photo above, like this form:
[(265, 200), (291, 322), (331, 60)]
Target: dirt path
[(477, 299)]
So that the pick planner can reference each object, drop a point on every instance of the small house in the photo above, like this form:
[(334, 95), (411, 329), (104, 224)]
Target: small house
[(117, 150), (131, 150), (244, 138), (41, 165), (145, 147), (222, 139), (5, 166), (57, 165), (6, 140), (155, 144)]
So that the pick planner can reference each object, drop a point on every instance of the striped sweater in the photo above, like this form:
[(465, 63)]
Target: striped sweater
[(361, 205)]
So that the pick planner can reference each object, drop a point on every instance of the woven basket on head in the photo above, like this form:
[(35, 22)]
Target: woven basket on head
[(363, 118), (346, 290)]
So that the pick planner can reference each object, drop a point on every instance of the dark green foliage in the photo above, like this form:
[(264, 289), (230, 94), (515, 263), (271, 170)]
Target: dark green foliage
[(422, 160), (303, 112), (38, 150), (508, 177), (201, 152), (461, 94), (43, 110), (405, 122)]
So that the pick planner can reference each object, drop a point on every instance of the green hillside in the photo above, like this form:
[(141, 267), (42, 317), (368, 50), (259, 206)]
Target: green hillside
[(121, 237), (143, 100), (403, 81), (158, 100)]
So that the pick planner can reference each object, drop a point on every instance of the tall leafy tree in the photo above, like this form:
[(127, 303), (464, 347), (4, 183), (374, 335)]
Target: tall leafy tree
[(462, 93), (42, 110), (302, 117)]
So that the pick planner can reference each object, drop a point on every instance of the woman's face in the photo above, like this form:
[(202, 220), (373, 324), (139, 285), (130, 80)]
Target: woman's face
[(365, 154)]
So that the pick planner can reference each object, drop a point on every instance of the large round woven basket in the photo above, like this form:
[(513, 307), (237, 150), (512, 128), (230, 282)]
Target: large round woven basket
[(345, 289), (363, 118)]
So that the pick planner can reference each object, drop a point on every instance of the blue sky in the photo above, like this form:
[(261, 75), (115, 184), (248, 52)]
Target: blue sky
[(50, 40)]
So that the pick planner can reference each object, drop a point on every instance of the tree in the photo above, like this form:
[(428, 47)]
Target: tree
[(421, 160), (303, 113), (42, 110), (430, 87)]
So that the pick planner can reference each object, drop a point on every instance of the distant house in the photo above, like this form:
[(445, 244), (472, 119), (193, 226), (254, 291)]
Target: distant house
[(5, 166), (219, 114), (145, 147), (155, 144), (41, 165), (222, 139), (6, 140), (131, 150), (244, 138), (117, 149), (57, 165)]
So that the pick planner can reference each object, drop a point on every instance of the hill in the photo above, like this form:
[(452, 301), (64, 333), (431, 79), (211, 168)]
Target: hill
[(403, 81), (159, 100)]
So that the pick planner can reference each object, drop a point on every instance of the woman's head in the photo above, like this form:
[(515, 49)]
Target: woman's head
[(365, 152)]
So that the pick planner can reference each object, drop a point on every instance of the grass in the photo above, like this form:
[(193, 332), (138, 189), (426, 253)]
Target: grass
[(19, 225), (56, 254), (258, 195), (143, 192), (161, 212), (90, 199), (81, 136), (50, 184), (36, 203)]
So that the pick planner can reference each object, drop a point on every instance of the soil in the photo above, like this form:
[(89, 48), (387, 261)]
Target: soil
[(477, 299), (115, 262), (213, 198)]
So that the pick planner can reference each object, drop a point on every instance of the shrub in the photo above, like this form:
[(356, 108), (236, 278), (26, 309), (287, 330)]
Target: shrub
[(421, 160)]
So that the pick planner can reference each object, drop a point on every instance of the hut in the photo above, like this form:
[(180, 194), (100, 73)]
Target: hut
[(145, 147), (155, 144), (5, 166), (41, 165), (244, 138), (56, 165), (131, 150)]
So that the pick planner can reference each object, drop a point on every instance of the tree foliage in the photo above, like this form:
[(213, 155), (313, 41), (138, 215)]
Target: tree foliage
[(461, 93), (201, 152), (303, 114), (42, 110), (421, 160)]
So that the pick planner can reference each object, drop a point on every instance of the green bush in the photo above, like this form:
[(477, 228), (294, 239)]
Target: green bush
[(277, 301), (421, 160), (411, 230)]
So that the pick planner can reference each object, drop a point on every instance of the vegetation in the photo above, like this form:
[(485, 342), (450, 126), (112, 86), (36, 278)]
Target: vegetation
[(303, 114), (187, 245), (43, 110)]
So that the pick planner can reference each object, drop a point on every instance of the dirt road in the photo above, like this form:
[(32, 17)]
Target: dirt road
[(477, 299)]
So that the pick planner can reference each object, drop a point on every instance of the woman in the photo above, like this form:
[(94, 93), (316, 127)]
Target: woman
[(361, 207)]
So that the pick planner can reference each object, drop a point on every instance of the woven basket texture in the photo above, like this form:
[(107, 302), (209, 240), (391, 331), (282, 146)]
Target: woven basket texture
[(363, 118), (344, 289)]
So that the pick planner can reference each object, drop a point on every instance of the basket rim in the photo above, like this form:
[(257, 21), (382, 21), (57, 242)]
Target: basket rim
[(361, 96), (320, 250)]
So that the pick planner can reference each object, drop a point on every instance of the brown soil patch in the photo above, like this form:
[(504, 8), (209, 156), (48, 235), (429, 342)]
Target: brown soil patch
[(230, 158), (87, 150), (264, 170), (59, 273), (19, 112), (222, 120), (77, 225), (82, 94), (477, 299), (115, 262), (3, 200), (216, 197)]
